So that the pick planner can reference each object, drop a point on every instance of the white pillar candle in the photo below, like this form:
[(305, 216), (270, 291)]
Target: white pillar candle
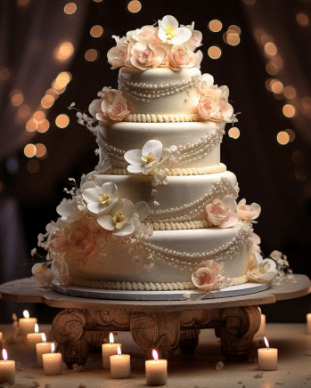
[(309, 323), (120, 365), (27, 324), (34, 337), (156, 370), (108, 350), (52, 363), (267, 357), (7, 369), (42, 348)]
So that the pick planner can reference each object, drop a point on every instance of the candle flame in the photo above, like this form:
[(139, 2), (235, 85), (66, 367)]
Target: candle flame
[(111, 339), (52, 347), (155, 354), (36, 328), (26, 314), (266, 342), (4, 354), (43, 336), (119, 350)]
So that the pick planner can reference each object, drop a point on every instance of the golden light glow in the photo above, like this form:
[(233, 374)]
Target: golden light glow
[(215, 25), (270, 49), (31, 125), (268, 84), (33, 166), (43, 126), (277, 87), (17, 97), (97, 1), (302, 19), (70, 8), (298, 157), (22, 3), (41, 150), (30, 150), (23, 111), (64, 51), (62, 121), (289, 92), (52, 92), (279, 96), (282, 137), (289, 110), (249, 2), (235, 28), (62, 80), (233, 38), (4, 74), (291, 134), (271, 68), (91, 55), (234, 132), (47, 101), (214, 52), (277, 61), (301, 174), (134, 6), (39, 115), (96, 31)]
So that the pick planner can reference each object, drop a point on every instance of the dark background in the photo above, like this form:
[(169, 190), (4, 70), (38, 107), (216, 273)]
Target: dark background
[(268, 173)]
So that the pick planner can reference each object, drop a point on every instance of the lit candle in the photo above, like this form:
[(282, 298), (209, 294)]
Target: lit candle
[(7, 369), (42, 348), (309, 323), (262, 327), (267, 357), (36, 336), (156, 370), (120, 365), (52, 362), (26, 324), (109, 350)]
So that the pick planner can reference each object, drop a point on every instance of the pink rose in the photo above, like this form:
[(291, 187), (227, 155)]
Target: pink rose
[(146, 56), (117, 55), (81, 239), (59, 241), (181, 57), (148, 34), (248, 212), (208, 276), (111, 107), (222, 212), (214, 106), (257, 241)]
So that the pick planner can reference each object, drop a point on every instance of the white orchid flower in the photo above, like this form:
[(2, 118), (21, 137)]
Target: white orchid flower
[(262, 270), (124, 217), (170, 33), (72, 209), (145, 160), (100, 199)]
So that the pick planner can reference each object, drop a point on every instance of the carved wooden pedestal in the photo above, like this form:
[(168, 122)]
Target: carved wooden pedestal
[(163, 325)]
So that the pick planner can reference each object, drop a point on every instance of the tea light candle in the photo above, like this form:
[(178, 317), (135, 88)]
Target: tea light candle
[(36, 336), (108, 350), (42, 348), (120, 365), (7, 369), (156, 370), (52, 362), (309, 323), (267, 357), (26, 324)]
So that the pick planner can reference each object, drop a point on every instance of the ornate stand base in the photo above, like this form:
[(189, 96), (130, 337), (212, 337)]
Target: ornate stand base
[(77, 329)]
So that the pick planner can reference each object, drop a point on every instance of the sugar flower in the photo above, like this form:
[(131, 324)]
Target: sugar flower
[(145, 55), (262, 270), (206, 81), (110, 107), (181, 57), (145, 160), (118, 54), (248, 212), (257, 242), (280, 259), (100, 199), (214, 106), (124, 217), (43, 274), (222, 212), (148, 34), (71, 209), (207, 276), (169, 32), (196, 38)]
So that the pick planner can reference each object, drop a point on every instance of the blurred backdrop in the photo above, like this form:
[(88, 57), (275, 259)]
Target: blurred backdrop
[(54, 53)]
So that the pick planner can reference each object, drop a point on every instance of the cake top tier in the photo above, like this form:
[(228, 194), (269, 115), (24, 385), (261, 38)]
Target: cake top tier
[(167, 45)]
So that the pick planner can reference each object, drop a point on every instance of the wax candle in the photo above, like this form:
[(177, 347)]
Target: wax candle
[(27, 324), (120, 365), (267, 357), (309, 323), (52, 362), (36, 336), (156, 370), (109, 350), (7, 369), (42, 348)]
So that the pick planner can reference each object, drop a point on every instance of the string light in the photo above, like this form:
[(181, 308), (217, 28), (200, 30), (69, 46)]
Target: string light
[(283, 138), (291, 135), (43, 126), (91, 55), (70, 8), (47, 101), (214, 52), (31, 125), (235, 28), (30, 150), (62, 121), (289, 110), (232, 38), (40, 150), (4, 74), (277, 87), (134, 6), (234, 132), (23, 111), (270, 49), (64, 51), (215, 25), (289, 92), (96, 31), (17, 97), (271, 68), (302, 19)]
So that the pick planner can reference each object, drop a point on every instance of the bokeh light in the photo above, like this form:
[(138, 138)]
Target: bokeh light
[(31, 125), (30, 150), (234, 132), (43, 126), (33, 166), (289, 110), (91, 55), (301, 174), (96, 31), (283, 138), (277, 87), (70, 8), (215, 25), (271, 68), (232, 38), (23, 111), (214, 52), (17, 97), (235, 28), (270, 49), (289, 92), (249, 2), (134, 6), (47, 101), (4, 74), (64, 51), (291, 134), (62, 80), (40, 150), (22, 3), (62, 121), (306, 103), (39, 115), (302, 19)]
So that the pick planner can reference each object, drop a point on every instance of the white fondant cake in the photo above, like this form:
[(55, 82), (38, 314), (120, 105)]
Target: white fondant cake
[(159, 212)]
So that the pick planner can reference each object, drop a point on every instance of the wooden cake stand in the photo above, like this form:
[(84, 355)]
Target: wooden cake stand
[(163, 325)]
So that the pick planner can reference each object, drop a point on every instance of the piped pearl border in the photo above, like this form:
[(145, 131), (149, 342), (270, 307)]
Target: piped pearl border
[(158, 118), (181, 225)]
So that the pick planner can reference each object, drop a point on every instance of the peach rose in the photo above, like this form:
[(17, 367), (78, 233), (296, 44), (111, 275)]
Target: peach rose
[(181, 57), (59, 241), (117, 55), (222, 212), (212, 106), (208, 276), (248, 212), (81, 239), (148, 34), (146, 56)]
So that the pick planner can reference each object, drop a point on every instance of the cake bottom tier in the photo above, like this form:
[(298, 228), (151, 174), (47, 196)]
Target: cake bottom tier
[(164, 261)]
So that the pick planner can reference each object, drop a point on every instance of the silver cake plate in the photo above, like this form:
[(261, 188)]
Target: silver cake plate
[(98, 293)]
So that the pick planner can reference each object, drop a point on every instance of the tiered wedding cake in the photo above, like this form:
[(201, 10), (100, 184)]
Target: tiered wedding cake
[(159, 212)]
